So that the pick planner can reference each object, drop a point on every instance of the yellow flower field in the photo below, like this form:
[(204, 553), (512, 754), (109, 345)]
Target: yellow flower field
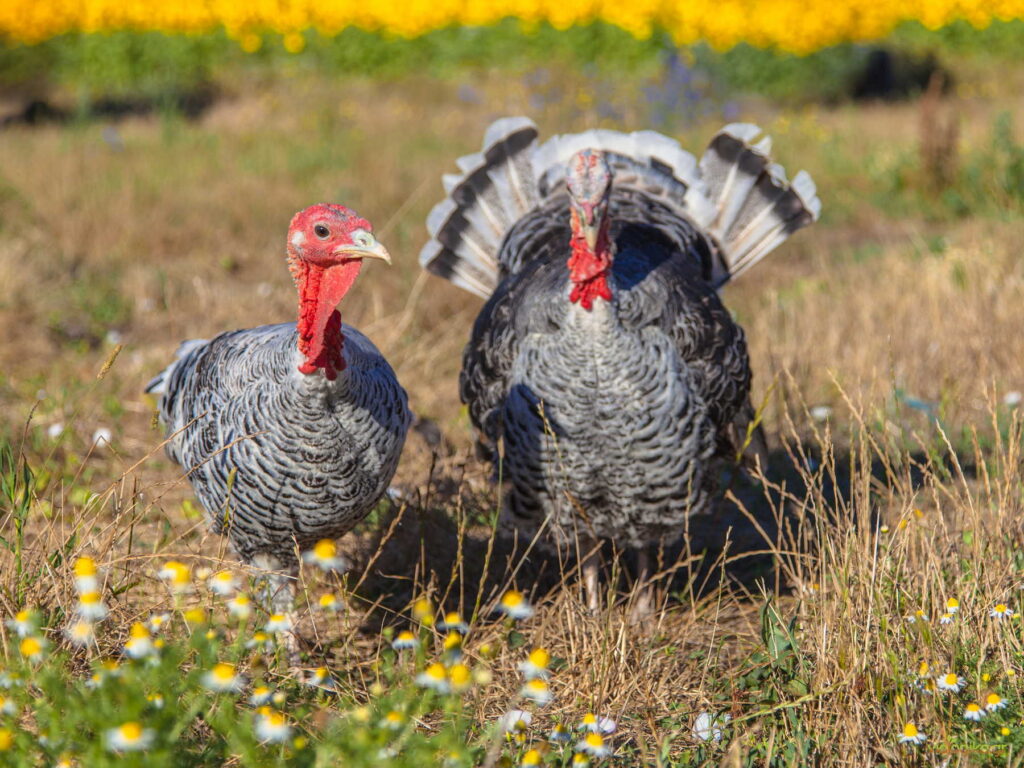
[(788, 25)]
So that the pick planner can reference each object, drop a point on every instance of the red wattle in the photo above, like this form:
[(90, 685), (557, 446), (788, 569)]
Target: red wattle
[(588, 270), (319, 324)]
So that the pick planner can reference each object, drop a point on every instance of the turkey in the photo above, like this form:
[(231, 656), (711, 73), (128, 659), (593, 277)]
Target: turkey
[(290, 432), (603, 373)]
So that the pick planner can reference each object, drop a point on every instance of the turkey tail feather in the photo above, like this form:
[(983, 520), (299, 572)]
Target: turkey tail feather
[(755, 208), (496, 187)]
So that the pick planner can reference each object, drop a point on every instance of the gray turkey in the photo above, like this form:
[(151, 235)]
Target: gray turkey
[(604, 373), (290, 432)]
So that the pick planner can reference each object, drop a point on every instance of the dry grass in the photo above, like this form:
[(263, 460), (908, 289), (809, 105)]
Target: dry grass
[(905, 326)]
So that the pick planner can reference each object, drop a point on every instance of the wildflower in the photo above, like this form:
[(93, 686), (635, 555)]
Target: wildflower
[(516, 720), (531, 758), (6, 739), (911, 735), (404, 639), (1001, 611), (320, 678), (514, 605), (10, 680), (884, 529), (560, 734), (195, 616), (328, 602), (434, 677), (325, 556), (64, 761), (101, 437), (973, 712), (708, 727), (952, 605), (394, 720), (177, 575), (951, 682), (1012, 399), (482, 676), (821, 413), (453, 646), (80, 633), (580, 760), (156, 700), (140, 644), (55, 430), (223, 583), (260, 640), (260, 695), (423, 612), (593, 744), (946, 618), (85, 575), (278, 699), (223, 679), (1004, 731), (158, 621), (536, 664), (7, 706), (536, 690), (453, 622), (595, 724), (91, 607), (923, 669), (459, 678), (272, 726), (24, 623), (278, 622), (994, 702), (917, 615), (32, 648), (130, 737), (240, 606)]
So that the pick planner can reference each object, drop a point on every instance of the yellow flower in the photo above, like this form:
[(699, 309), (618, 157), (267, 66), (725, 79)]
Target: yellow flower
[(514, 605), (32, 648), (223, 679), (328, 602), (6, 739), (294, 42), (195, 616), (423, 612), (536, 664), (459, 678), (325, 554)]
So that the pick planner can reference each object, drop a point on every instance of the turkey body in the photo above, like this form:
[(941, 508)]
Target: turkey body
[(607, 416), (279, 459)]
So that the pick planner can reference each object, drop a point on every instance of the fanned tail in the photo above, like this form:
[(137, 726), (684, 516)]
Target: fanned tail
[(735, 196), (496, 187), (755, 208)]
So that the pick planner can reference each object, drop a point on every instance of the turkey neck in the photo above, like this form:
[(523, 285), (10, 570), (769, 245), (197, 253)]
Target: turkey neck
[(589, 267), (319, 324)]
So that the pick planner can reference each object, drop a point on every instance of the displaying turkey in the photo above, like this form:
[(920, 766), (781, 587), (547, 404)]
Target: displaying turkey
[(290, 432), (604, 370)]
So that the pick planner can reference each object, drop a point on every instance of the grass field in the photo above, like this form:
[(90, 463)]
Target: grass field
[(886, 353)]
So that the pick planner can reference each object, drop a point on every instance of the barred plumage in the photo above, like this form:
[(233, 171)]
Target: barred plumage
[(281, 458), (603, 368)]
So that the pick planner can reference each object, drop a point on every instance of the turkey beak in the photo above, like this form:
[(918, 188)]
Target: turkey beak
[(374, 250), (590, 235)]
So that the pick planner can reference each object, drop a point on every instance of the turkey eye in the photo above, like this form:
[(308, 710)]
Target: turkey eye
[(321, 231)]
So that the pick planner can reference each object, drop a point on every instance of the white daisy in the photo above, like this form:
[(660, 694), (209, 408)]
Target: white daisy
[(24, 623), (911, 735), (516, 720), (240, 606), (1001, 611), (130, 737), (261, 641), (32, 648), (536, 664), (973, 712), (952, 605), (560, 734), (593, 745), (320, 678), (223, 679), (329, 602), (177, 575), (278, 622), (453, 622), (86, 575), (994, 702), (603, 725), (223, 583), (325, 556), (434, 677), (140, 643), (951, 682), (7, 706), (514, 605), (260, 695), (272, 727), (158, 621), (536, 690), (708, 727), (946, 618), (91, 607), (80, 633), (404, 639)]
